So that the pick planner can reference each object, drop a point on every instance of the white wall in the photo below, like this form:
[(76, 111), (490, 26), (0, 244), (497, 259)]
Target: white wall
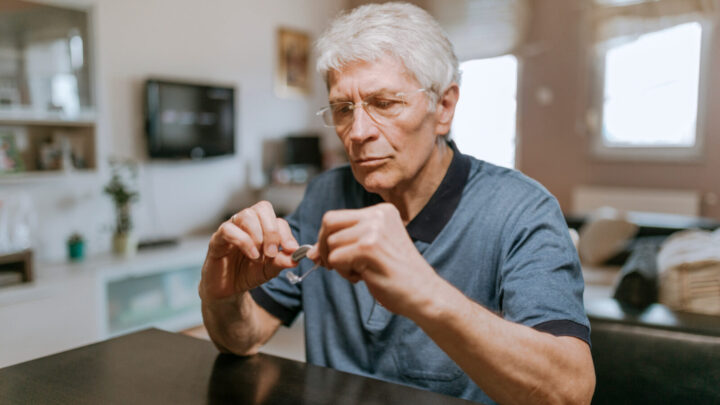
[(225, 41)]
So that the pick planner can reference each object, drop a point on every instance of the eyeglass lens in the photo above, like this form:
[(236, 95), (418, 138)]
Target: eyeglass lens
[(341, 114)]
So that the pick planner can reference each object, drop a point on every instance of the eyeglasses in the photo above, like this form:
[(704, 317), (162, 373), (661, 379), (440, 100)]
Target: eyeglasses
[(377, 106)]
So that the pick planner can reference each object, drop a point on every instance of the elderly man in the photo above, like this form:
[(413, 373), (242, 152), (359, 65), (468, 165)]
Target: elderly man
[(442, 271)]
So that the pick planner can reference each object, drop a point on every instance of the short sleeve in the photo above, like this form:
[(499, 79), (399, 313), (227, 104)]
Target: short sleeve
[(541, 279)]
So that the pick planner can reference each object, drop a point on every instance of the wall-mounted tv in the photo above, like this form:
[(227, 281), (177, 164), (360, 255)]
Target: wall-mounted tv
[(185, 120)]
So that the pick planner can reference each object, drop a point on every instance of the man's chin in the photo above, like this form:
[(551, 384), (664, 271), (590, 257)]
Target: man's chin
[(375, 184), (373, 181)]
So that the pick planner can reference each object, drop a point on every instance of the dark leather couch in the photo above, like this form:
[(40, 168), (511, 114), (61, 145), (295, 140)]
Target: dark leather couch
[(654, 356)]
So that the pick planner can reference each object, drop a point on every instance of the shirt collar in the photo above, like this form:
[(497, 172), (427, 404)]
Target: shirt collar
[(428, 223)]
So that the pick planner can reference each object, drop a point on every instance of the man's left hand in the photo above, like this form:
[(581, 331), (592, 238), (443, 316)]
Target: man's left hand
[(371, 244)]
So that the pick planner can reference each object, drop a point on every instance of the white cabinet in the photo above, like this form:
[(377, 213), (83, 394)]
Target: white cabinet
[(42, 319), (69, 305), (166, 299)]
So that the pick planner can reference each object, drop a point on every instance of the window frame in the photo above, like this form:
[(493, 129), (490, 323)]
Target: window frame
[(595, 115), (518, 89)]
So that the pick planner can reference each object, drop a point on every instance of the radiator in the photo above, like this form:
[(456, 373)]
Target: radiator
[(586, 199)]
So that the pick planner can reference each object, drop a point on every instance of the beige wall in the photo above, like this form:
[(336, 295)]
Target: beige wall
[(554, 150)]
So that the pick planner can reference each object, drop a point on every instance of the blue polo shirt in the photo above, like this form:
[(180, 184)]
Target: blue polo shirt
[(495, 234)]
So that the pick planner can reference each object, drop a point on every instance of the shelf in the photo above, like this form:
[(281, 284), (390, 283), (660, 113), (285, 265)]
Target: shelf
[(47, 146), (45, 175), (28, 117), (47, 123)]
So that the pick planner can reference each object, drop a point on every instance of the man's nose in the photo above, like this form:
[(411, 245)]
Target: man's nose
[(363, 127)]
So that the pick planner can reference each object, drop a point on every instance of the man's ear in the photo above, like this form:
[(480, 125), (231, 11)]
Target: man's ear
[(445, 109)]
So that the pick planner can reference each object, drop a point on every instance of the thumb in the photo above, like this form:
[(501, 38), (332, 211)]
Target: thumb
[(280, 262)]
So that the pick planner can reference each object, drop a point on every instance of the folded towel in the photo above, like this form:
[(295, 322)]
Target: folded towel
[(689, 267)]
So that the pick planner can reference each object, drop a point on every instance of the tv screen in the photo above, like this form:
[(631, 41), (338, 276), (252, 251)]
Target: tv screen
[(303, 150), (185, 120)]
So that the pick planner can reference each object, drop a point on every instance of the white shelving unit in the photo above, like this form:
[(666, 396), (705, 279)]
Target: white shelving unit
[(47, 91), (73, 304)]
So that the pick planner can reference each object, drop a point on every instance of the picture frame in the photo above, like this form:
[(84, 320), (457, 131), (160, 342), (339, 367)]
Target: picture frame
[(293, 67), (10, 159)]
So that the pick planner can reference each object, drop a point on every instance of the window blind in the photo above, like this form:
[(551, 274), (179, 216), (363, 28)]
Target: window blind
[(482, 28), (620, 20)]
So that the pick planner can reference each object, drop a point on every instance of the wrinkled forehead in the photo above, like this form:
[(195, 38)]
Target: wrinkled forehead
[(366, 77)]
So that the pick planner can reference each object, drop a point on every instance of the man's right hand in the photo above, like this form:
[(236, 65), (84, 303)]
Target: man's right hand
[(244, 252)]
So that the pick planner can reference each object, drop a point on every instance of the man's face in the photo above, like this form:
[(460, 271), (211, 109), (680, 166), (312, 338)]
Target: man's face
[(384, 152)]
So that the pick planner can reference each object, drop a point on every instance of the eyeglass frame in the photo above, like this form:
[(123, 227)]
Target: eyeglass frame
[(362, 104)]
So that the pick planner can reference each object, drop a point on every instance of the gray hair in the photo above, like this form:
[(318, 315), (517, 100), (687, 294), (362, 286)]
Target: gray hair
[(400, 30)]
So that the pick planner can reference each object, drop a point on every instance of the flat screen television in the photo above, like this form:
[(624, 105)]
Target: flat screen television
[(185, 120)]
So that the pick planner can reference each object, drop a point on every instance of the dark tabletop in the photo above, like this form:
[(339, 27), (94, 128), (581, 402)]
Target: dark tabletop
[(154, 366)]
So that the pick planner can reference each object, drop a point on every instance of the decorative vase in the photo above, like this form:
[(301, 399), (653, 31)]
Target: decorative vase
[(124, 244)]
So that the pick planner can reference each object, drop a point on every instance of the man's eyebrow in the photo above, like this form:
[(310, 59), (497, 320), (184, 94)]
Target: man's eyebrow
[(338, 100), (379, 92)]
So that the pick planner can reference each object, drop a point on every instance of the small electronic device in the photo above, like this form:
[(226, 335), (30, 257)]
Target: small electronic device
[(296, 256)]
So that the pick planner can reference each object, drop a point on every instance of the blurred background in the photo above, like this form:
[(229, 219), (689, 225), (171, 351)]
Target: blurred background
[(129, 130)]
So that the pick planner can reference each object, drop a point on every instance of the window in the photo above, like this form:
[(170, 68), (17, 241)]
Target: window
[(650, 95), (484, 123)]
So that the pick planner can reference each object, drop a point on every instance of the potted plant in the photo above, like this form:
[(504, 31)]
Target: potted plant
[(76, 247), (120, 189)]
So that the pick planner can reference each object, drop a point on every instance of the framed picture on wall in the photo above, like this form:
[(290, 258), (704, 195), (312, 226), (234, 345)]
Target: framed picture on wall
[(293, 68)]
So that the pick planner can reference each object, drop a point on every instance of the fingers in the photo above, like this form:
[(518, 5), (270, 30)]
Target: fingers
[(246, 221), (376, 216), (339, 251), (287, 240), (346, 262), (270, 230), (257, 233), (357, 240), (245, 251), (337, 262), (265, 230), (230, 236), (340, 219), (343, 227), (332, 221)]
